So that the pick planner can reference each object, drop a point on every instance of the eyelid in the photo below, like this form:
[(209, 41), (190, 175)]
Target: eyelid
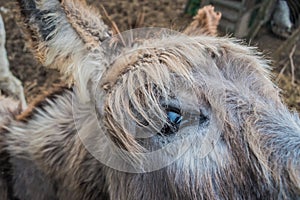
[(170, 103), (170, 108)]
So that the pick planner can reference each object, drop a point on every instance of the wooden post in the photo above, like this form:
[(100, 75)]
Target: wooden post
[(8, 82)]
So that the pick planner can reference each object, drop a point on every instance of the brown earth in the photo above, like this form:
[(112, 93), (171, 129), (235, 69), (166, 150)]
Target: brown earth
[(130, 14)]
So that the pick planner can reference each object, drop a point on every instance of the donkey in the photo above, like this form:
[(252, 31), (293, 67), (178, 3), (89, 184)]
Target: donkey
[(149, 114)]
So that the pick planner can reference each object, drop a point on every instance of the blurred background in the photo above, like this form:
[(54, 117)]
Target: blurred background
[(271, 25)]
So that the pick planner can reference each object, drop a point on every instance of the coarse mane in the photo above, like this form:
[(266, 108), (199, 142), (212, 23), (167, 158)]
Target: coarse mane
[(139, 78)]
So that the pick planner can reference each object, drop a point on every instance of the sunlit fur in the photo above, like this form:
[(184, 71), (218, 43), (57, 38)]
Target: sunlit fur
[(256, 156), (205, 22)]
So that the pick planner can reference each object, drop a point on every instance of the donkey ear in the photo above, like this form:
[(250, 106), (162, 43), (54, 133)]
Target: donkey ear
[(62, 31), (205, 22)]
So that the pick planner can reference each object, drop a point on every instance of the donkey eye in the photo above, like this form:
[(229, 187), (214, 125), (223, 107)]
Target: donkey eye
[(174, 117)]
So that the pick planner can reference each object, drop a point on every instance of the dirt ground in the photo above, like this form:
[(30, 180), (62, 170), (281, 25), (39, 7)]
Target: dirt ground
[(127, 14)]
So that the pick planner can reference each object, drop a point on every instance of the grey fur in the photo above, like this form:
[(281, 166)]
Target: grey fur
[(256, 156)]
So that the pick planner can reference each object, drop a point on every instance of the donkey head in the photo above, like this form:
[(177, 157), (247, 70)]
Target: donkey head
[(199, 113)]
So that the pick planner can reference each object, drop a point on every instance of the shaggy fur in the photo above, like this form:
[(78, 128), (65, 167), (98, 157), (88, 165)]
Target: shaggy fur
[(255, 148), (8, 109)]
